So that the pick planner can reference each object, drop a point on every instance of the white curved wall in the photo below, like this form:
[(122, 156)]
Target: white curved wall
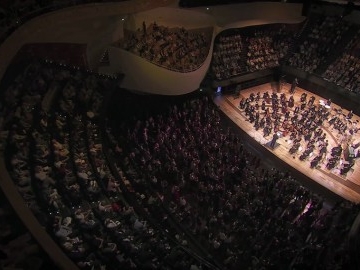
[(143, 76)]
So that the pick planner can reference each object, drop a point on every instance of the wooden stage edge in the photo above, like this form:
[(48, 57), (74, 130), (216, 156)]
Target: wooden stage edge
[(346, 186)]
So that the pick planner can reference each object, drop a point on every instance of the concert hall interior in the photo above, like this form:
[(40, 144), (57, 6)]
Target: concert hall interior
[(180, 134)]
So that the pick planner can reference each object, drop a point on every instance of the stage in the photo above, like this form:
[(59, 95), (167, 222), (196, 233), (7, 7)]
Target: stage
[(346, 185)]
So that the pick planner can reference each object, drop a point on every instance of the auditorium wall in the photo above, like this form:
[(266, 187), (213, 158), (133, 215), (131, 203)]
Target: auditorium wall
[(244, 14)]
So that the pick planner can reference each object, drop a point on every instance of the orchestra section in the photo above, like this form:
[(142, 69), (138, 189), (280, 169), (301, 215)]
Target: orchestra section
[(312, 134)]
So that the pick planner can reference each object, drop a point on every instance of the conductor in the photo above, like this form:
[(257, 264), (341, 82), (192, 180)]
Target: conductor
[(274, 139)]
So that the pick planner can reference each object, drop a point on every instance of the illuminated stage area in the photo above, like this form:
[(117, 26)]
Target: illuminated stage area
[(311, 134)]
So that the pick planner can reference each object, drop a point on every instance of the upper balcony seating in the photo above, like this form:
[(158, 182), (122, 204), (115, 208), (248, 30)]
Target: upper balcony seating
[(177, 49)]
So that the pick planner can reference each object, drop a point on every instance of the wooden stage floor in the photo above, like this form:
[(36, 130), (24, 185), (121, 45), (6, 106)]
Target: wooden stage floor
[(346, 186)]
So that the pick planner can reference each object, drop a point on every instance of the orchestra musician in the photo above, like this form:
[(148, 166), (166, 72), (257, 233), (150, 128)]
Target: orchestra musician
[(303, 97), (275, 114), (274, 139), (291, 102)]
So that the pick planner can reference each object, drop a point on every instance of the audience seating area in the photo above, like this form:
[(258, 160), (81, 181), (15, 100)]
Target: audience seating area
[(240, 51), (177, 49), (324, 45), (345, 70), (228, 60), (56, 161), (321, 35)]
